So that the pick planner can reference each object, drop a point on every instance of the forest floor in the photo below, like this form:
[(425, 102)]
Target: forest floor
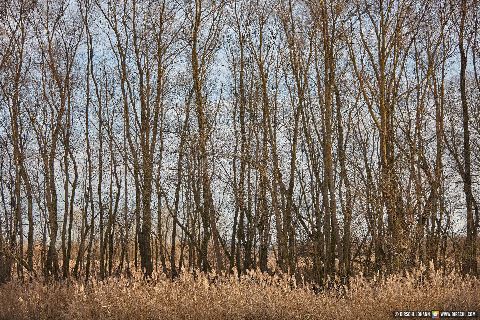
[(252, 297)]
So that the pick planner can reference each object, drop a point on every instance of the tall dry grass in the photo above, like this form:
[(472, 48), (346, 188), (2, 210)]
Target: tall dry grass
[(254, 296)]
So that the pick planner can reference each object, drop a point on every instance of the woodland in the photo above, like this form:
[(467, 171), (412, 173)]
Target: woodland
[(327, 146)]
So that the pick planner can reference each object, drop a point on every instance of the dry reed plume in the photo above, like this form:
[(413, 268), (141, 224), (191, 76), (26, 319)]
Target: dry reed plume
[(252, 297)]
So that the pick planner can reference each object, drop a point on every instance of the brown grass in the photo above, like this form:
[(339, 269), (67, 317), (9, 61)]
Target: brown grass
[(253, 297)]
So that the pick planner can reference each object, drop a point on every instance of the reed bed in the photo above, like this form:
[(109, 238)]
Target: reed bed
[(253, 296)]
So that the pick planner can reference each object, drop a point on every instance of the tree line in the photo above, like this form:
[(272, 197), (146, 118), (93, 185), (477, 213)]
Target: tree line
[(322, 138)]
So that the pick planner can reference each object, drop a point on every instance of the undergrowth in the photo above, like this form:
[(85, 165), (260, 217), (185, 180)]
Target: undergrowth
[(253, 296)]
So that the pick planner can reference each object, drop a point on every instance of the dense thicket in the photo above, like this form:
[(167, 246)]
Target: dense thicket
[(322, 138)]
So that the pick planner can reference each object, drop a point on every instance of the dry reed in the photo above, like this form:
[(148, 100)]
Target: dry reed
[(254, 296)]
